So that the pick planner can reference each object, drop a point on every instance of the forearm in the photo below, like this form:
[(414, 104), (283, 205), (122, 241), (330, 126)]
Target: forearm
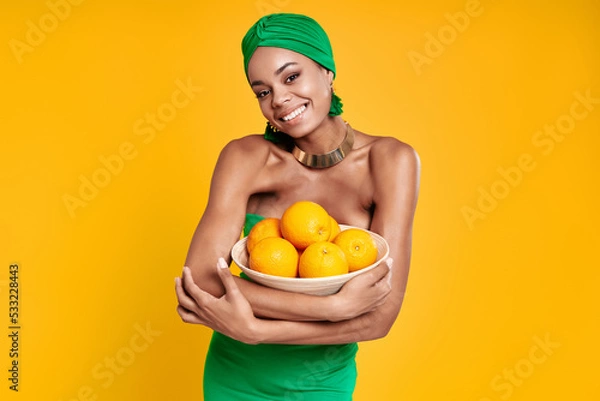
[(363, 294), (275, 304), (231, 313), (366, 327), (287, 306)]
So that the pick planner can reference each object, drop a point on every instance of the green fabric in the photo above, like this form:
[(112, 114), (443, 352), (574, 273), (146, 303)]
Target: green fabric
[(251, 220), (235, 371), (294, 32)]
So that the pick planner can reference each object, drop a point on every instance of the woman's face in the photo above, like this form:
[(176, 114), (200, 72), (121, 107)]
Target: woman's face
[(294, 92)]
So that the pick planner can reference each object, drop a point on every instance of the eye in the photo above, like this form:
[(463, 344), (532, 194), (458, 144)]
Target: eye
[(262, 94), (292, 77)]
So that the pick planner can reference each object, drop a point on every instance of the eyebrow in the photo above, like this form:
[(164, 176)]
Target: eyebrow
[(277, 72)]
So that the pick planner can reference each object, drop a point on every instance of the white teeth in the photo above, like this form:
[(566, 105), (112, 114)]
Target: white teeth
[(294, 113)]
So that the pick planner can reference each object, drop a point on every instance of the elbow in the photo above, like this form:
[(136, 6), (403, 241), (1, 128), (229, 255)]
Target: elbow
[(378, 327), (384, 320), (381, 331), (381, 322), (208, 282)]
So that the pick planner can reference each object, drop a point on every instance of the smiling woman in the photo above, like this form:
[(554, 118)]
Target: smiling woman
[(309, 83), (275, 345)]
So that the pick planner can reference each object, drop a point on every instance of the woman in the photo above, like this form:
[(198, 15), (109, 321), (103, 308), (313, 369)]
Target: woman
[(269, 344)]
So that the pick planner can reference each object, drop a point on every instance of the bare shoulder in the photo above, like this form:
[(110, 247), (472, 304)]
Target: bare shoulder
[(239, 170), (243, 154), (245, 146), (390, 153), (396, 170)]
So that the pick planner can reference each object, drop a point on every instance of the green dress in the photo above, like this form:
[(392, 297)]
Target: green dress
[(235, 371)]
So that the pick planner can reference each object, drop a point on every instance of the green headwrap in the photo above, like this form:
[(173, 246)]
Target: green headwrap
[(294, 32)]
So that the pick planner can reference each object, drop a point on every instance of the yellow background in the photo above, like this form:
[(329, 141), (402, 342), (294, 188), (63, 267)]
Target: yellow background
[(480, 294)]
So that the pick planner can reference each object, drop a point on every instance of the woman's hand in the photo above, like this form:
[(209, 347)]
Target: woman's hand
[(230, 314), (363, 293)]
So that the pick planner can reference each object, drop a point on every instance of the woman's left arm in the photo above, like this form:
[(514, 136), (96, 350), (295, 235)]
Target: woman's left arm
[(396, 168)]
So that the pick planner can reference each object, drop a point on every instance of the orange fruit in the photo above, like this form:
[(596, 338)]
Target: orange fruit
[(358, 246), (266, 228), (300, 252), (335, 228), (274, 256), (322, 259), (305, 223)]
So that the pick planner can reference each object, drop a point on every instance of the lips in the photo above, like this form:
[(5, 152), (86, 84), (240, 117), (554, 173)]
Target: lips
[(293, 114)]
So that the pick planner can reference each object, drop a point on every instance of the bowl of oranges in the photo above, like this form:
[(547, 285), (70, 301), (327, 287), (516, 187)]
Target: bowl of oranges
[(307, 251)]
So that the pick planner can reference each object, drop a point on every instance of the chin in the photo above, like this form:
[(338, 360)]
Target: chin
[(301, 131)]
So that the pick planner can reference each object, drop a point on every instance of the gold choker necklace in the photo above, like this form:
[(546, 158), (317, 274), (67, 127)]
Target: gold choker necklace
[(328, 159)]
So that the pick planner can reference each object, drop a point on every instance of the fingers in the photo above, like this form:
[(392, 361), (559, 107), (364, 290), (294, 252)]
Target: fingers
[(380, 272), (185, 304), (387, 278), (385, 284), (187, 316), (192, 289), (182, 297), (192, 297), (226, 277)]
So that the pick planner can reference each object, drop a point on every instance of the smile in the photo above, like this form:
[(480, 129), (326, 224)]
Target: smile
[(294, 113)]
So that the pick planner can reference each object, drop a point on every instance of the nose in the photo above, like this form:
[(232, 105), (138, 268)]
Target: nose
[(279, 97)]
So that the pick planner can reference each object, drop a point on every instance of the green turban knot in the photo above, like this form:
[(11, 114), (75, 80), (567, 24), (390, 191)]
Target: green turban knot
[(295, 32)]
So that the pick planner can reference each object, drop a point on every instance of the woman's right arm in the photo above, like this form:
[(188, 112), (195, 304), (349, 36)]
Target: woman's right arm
[(235, 178)]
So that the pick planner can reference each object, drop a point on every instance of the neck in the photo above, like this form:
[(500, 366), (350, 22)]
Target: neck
[(330, 158), (324, 138)]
